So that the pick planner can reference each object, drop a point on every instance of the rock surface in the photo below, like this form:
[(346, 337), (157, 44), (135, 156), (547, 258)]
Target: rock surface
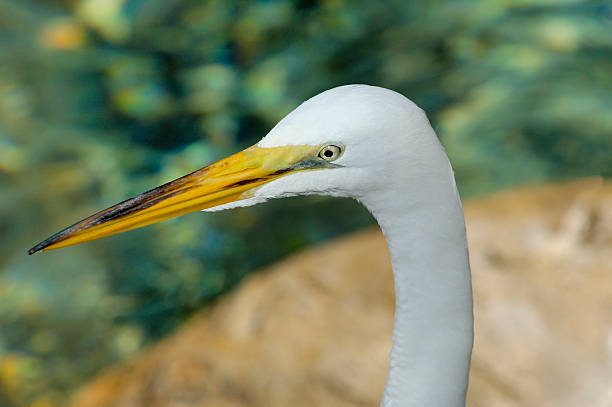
[(315, 329)]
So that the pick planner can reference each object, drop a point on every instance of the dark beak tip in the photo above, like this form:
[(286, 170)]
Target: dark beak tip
[(34, 250), (40, 246)]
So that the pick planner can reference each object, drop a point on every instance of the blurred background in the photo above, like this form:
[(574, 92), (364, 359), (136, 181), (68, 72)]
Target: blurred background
[(103, 99)]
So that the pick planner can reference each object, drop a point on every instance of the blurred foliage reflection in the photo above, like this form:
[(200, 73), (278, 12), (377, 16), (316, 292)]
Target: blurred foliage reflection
[(103, 99)]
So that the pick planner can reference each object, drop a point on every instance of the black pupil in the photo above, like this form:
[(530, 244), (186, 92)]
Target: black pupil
[(328, 153)]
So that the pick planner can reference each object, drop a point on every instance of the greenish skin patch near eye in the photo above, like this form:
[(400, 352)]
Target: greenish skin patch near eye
[(311, 164)]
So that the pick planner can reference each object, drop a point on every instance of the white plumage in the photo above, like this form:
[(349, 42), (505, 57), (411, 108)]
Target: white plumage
[(394, 164), (391, 161)]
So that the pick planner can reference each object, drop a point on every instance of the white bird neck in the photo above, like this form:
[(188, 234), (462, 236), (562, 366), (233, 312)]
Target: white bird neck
[(433, 327)]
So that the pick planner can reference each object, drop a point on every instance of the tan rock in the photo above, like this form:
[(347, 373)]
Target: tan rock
[(315, 329)]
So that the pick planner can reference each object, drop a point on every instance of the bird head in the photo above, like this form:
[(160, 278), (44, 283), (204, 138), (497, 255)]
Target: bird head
[(346, 141)]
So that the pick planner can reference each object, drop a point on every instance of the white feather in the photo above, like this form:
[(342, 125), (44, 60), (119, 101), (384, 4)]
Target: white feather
[(394, 164)]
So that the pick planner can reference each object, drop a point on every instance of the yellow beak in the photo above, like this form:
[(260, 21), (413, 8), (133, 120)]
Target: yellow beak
[(228, 180)]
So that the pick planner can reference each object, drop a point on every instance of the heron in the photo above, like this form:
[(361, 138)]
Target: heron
[(378, 147)]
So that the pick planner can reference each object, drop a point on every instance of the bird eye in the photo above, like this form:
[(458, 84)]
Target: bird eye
[(330, 152)]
